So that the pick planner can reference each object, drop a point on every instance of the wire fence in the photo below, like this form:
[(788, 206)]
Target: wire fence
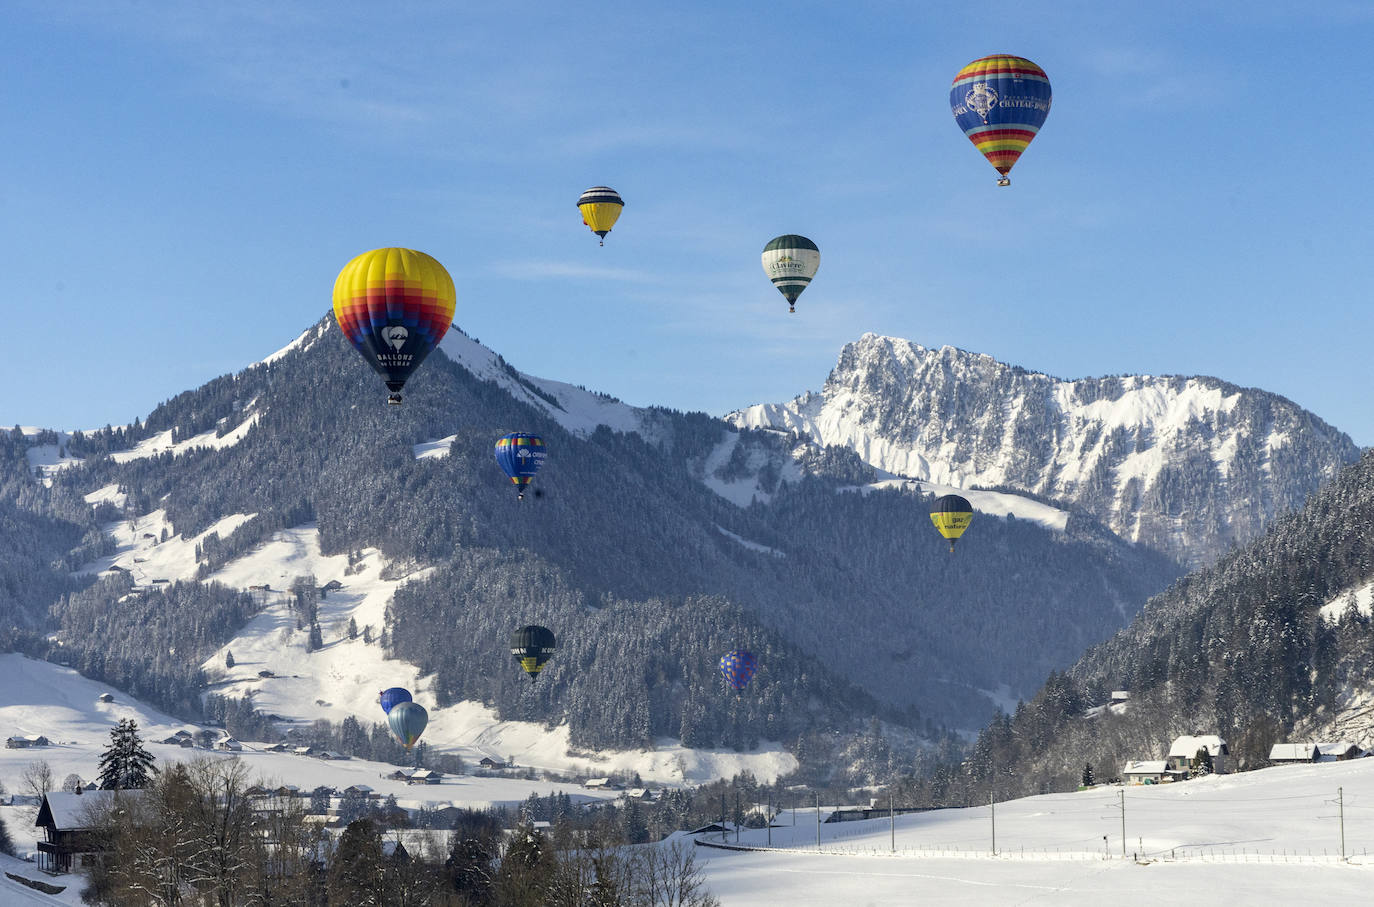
[(1186, 854)]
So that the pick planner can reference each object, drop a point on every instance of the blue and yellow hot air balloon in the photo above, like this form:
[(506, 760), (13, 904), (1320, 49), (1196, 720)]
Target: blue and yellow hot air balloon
[(394, 306), (951, 516), (738, 667), (1000, 102), (600, 207), (520, 455), (392, 697), (407, 721)]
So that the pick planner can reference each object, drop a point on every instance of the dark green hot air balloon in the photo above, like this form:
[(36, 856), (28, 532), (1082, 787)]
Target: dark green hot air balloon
[(532, 646)]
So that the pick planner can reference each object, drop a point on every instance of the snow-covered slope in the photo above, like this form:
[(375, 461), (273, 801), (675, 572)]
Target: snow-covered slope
[(578, 410), (1186, 465), (1265, 837)]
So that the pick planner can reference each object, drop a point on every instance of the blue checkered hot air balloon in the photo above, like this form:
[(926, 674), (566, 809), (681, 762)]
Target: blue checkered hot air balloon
[(738, 668)]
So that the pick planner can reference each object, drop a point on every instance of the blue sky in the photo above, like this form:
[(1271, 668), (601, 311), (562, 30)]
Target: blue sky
[(181, 183)]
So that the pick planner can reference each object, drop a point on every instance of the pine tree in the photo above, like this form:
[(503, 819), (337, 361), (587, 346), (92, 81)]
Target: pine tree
[(352, 628), (228, 659), (125, 764), (316, 640), (6, 844), (1088, 774)]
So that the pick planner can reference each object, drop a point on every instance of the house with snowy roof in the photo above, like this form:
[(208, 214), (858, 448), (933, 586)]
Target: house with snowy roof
[(1146, 771), (1338, 752), (1183, 753), (68, 823), (1286, 753)]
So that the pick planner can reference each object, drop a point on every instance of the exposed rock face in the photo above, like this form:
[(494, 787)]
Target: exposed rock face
[(1186, 465)]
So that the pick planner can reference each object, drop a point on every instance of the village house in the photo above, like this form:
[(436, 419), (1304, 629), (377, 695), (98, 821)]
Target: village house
[(1282, 753), (424, 776), (67, 827), (490, 763), (598, 784), (1146, 772), (1338, 752), (105, 697), (26, 741), (1183, 753), (230, 744), (358, 790)]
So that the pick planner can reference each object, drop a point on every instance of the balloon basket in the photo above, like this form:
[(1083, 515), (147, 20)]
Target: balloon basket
[(1004, 181), (394, 400)]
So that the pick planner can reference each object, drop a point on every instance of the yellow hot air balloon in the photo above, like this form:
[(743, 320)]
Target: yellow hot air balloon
[(600, 207), (951, 517)]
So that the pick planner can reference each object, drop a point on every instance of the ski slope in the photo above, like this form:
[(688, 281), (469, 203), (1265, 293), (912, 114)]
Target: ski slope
[(1264, 837)]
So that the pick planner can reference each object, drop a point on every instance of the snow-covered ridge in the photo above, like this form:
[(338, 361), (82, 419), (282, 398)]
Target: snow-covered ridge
[(162, 442), (1135, 452), (990, 503), (579, 411)]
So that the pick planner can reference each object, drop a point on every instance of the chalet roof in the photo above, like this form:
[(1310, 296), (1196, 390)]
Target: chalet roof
[(1146, 767), (1291, 752), (1188, 745), (1336, 749), (67, 812)]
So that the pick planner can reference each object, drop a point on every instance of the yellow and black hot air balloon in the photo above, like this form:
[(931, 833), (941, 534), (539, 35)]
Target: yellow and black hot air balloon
[(600, 207), (532, 647), (951, 515)]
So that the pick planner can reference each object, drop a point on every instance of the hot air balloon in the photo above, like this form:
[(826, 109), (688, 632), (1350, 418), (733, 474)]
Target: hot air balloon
[(532, 646), (394, 306), (738, 667), (1000, 102), (951, 515), (520, 455), (392, 697), (600, 207), (407, 721), (790, 261)]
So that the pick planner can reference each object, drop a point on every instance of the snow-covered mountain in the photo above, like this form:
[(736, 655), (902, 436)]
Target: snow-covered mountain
[(1186, 465)]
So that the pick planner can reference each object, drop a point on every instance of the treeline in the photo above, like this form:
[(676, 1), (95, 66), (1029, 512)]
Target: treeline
[(1240, 649), (149, 643), (195, 835)]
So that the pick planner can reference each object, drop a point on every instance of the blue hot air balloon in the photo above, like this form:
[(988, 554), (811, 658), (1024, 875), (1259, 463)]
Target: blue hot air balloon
[(1000, 102), (407, 721), (393, 697), (738, 668), (520, 455)]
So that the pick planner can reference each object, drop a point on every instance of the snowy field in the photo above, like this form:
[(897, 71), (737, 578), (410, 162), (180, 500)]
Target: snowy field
[(1266, 837)]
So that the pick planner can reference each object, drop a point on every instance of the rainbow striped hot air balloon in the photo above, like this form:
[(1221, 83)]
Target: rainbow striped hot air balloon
[(738, 667), (394, 306), (1000, 102)]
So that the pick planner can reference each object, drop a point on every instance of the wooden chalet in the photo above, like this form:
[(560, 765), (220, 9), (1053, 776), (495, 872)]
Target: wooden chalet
[(68, 833)]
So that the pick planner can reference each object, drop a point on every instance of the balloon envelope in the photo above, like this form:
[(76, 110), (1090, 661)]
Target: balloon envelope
[(1000, 102), (407, 721), (951, 516), (520, 455), (394, 306), (600, 207), (393, 697), (532, 646), (790, 261), (738, 667)]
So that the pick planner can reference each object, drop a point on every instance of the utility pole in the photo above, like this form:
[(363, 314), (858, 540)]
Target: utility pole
[(737, 815), (993, 806), (892, 817), (769, 814), (1340, 799), (722, 817), (818, 820), (1122, 792)]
